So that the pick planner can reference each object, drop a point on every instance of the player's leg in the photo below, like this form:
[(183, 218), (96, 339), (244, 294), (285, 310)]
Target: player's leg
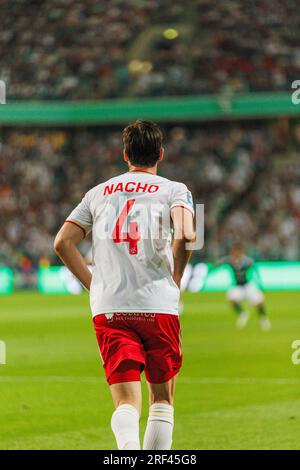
[(162, 342), (127, 393), (123, 360), (235, 297), (127, 398), (159, 430), (256, 298), (264, 320)]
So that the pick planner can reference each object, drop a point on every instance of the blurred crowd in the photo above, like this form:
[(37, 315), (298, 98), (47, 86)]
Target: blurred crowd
[(74, 49), (247, 175), (247, 45)]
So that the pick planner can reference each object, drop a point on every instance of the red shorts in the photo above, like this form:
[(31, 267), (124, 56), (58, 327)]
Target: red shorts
[(132, 342)]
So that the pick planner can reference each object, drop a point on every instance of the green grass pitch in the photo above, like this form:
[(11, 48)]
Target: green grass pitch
[(237, 389)]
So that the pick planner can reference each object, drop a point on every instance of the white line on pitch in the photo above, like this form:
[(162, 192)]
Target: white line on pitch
[(183, 380)]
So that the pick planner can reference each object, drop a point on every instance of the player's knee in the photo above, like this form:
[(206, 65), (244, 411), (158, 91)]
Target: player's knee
[(126, 393), (231, 298), (257, 301)]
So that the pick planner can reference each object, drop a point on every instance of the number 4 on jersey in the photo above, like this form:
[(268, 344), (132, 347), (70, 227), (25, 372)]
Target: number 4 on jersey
[(132, 237)]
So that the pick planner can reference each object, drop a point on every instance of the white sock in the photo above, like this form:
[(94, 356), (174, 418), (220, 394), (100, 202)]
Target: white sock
[(125, 426), (159, 430)]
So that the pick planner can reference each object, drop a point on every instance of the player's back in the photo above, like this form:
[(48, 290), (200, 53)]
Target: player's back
[(134, 290), (132, 254), (240, 268)]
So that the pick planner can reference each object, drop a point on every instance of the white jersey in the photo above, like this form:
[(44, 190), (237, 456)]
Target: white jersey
[(129, 216)]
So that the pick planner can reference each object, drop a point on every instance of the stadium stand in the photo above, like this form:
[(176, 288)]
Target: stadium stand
[(245, 173), (75, 50)]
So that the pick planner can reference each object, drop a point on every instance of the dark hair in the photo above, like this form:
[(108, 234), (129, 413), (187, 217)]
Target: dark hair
[(142, 142)]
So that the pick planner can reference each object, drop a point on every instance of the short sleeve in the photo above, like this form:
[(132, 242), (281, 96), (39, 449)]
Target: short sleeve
[(82, 215), (182, 197)]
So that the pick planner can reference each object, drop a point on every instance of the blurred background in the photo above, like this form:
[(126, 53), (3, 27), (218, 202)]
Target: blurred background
[(216, 75)]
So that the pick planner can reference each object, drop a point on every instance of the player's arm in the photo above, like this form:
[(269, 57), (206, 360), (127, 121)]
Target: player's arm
[(213, 266), (220, 262), (217, 264), (184, 236), (65, 246)]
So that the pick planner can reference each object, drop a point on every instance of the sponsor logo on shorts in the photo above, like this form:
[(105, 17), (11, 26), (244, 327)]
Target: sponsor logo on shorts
[(130, 316), (109, 316)]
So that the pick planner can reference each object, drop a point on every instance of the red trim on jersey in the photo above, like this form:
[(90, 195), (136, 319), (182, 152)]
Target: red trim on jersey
[(142, 171), (77, 225)]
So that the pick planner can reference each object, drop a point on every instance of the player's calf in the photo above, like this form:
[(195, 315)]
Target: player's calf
[(159, 430), (261, 309), (264, 321), (242, 315), (237, 307), (127, 398), (125, 426)]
